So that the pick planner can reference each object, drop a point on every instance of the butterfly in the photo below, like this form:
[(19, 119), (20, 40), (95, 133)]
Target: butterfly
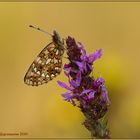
[(48, 63)]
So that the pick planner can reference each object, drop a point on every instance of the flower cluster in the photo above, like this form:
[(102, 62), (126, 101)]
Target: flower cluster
[(89, 94)]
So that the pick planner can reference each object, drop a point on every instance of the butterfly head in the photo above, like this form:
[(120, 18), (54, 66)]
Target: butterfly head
[(57, 39)]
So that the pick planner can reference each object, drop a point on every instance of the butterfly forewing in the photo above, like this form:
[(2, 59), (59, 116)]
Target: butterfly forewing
[(46, 66)]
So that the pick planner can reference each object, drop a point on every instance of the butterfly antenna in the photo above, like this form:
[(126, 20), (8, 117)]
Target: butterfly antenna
[(40, 30)]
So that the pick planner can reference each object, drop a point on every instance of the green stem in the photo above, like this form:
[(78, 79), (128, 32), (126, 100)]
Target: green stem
[(98, 128)]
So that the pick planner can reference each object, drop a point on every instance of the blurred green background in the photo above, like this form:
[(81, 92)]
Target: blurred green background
[(41, 111)]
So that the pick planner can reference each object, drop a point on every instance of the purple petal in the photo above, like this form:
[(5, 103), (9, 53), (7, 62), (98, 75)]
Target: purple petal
[(67, 67), (81, 65), (98, 82), (101, 80), (83, 56), (76, 83), (90, 67), (63, 85), (69, 97), (105, 94), (86, 91), (91, 95), (96, 55), (66, 95), (73, 83), (78, 78)]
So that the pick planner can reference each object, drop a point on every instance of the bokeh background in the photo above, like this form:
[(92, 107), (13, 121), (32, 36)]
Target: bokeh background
[(41, 111)]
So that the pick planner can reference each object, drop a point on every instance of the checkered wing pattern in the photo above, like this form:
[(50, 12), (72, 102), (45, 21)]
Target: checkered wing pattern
[(46, 66)]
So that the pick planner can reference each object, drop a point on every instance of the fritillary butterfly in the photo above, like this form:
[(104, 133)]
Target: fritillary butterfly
[(48, 63)]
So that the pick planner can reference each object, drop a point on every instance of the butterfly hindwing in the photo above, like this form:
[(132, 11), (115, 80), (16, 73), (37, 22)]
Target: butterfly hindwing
[(46, 66)]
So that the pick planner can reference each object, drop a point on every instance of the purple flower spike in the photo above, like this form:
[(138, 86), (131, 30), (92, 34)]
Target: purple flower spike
[(84, 91)]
